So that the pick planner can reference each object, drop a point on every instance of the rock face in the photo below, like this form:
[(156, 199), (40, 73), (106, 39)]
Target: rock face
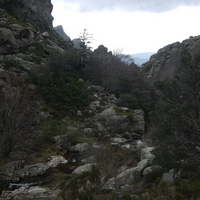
[(61, 32), (34, 12), (167, 60), (27, 36)]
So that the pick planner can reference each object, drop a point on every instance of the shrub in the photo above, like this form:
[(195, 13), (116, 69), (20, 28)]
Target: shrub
[(187, 189), (60, 86)]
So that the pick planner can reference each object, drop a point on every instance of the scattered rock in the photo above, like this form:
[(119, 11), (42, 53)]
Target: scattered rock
[(56, 160), (169, 177), (88, 132), (118, 140), (83, 168), (150, 169), (81, 147), (45, 35), (90, 159), (126, 146), (31, 193), (44, 115), (128, 175), (146, 153), (34, 170)]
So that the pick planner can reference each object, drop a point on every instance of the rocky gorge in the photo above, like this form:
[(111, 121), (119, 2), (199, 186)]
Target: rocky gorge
[(64, 136), (120, 126)]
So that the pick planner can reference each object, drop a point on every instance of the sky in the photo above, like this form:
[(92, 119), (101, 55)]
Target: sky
[(131, 26)]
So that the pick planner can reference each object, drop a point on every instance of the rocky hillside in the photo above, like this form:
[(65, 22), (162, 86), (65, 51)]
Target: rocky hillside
[(168, 59), (26, 35)]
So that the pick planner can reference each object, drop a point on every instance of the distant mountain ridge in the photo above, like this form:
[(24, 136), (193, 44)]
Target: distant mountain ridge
[(141, 58)]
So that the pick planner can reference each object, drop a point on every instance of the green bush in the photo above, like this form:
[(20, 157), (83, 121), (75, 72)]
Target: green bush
[(59, 83), (66, 99), (10, 64), (82, 186), (187, 189)]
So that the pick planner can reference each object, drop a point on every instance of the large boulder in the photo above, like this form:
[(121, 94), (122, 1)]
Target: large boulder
[(34, 170), (127, 176), (169, 177), (83, 168), (118, 120), (56, 160), (14, 171), (80, 147), (33, 193), (7, 41)]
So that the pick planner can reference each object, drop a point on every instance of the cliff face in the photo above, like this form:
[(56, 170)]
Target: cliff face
[(36, 13), (167, 60), (27, 37), (61, 32)]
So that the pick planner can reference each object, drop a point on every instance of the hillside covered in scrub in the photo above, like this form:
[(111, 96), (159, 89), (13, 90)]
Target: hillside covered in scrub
[(77, 123)]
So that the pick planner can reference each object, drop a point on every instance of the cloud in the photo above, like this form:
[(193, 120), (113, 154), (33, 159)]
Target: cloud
[(132, 5)]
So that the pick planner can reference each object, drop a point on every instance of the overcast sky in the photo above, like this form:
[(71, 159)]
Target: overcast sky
[(134, 26)]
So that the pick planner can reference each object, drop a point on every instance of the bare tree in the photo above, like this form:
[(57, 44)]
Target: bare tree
[(17, 118), (114, 68)]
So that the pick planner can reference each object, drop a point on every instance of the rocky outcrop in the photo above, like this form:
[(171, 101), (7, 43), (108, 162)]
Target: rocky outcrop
[(126, 177), (168, 59), (118, 120), (27, 37), (36, 13), (35, 192), (61, 32), (16, 170)]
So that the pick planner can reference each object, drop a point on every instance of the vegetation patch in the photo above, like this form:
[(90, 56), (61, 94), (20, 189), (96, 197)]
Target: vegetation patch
[(10, 64), (39, 50), (119, 111)]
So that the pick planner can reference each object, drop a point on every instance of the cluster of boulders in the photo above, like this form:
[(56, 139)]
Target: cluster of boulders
[(125, 178), (33, 192), (16, 170), (111, 120)]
